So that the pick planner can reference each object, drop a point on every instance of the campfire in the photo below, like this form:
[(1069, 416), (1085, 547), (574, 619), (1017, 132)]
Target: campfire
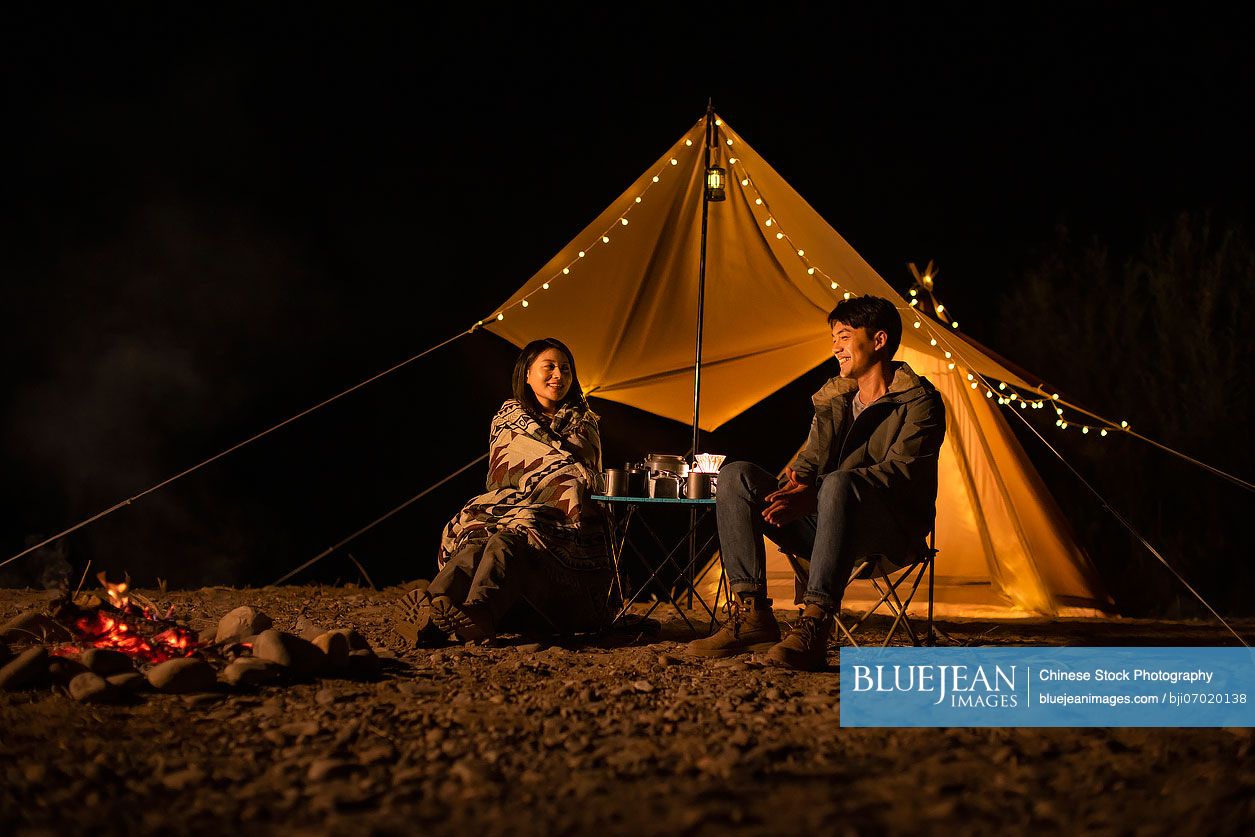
[(122, 625), (109, 646)]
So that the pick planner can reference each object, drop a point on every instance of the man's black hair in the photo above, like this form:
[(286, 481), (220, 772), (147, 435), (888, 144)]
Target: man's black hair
[(872, 313)]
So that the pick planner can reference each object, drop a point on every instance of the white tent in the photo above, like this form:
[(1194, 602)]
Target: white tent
[(624, 295)]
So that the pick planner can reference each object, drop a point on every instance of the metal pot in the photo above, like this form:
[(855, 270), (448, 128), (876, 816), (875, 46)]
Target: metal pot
[(668, 463)]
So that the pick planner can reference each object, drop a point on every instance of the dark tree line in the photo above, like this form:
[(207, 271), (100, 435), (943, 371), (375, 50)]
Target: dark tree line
[(1158, 336)]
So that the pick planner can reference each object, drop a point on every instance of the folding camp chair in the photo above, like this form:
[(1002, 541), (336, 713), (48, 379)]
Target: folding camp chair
[(888, 578)]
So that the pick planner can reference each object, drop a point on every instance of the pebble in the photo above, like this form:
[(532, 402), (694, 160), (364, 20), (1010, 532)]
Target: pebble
[(241, 622), (335, 645), (250, 671), (182, 676), (300, 655), (106, 661), (90, 687)]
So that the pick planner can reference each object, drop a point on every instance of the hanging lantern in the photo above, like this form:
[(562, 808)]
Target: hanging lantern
[(716, 179)]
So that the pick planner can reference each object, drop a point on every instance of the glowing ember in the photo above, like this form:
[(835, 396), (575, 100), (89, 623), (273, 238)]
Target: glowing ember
[(124, 626), (102, 629)]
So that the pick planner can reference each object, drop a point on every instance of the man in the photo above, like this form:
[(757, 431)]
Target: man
[(865, 483)]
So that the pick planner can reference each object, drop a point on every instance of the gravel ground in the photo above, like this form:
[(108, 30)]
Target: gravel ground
[(624, 734)]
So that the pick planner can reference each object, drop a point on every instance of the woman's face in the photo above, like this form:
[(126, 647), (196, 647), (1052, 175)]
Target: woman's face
[(549, 376)]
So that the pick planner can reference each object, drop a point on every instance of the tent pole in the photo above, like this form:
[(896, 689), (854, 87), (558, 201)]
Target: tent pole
[(701, 282), (697, 363)]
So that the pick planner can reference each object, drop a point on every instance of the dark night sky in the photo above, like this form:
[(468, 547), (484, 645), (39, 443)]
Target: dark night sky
[(219, 215)]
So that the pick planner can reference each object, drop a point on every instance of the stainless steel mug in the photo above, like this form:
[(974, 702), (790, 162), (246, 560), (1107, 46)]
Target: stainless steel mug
[(617, 483), (637, 482), (698, 486)]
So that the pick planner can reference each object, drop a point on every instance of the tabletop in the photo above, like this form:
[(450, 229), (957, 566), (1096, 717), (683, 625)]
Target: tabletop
[(661, 501)]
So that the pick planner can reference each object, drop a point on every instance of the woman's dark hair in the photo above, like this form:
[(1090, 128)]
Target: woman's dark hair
[(523, 393), (872, 313)]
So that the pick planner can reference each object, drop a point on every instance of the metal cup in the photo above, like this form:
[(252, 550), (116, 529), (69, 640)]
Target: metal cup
[(637, 482), (617, 483), (698, 486)]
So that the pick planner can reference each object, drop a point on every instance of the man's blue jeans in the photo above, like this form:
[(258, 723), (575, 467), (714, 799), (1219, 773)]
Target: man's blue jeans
[(851, 520)]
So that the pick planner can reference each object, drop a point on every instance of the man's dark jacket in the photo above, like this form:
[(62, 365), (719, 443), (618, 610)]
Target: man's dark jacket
[(891, 448)]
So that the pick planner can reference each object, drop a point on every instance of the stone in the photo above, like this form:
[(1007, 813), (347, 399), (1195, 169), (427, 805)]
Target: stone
[(183, 676), (30, 668), (241, 622), (335, 645), (90, 687), (129, 682), (106, 661), (299, 655), (250, 671), (306, 629), (61, 670)]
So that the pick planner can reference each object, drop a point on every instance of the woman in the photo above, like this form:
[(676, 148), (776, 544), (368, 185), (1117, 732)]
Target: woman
[(535, 536)]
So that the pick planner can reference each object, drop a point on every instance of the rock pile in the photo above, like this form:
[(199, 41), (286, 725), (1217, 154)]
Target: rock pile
[(38, 650)]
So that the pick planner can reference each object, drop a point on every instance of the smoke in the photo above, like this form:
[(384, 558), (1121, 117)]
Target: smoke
[(142, 356)]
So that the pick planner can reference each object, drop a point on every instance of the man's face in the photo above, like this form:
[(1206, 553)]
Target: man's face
[(856, 349)]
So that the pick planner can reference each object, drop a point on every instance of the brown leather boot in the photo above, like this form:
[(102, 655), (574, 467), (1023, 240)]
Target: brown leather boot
[(466, 622), (413, 615), (751, 626), (806, 646)]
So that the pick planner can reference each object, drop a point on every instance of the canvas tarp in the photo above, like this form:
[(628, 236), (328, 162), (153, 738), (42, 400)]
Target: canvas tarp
[(624, 296)]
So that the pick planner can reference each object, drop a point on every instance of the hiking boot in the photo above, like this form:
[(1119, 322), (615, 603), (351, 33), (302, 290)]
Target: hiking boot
[(806, 646), (413, 611), (751, 626), (466, 622)]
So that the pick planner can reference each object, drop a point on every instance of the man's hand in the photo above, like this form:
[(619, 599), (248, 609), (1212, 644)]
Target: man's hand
[(791, 501)]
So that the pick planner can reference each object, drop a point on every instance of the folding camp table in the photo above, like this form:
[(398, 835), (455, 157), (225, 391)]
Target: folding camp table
[(630, 525)]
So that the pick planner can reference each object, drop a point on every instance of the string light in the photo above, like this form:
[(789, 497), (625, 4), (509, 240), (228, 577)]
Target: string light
[(924, 288), (1006, 394), (604, 238)]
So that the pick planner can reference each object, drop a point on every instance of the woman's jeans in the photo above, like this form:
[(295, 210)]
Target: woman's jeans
[(851, 520)]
